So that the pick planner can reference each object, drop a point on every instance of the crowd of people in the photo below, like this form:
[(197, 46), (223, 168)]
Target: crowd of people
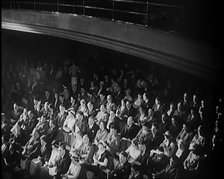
[(72, 122)]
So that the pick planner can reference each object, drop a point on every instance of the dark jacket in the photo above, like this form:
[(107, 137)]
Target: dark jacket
[(91, 132), (131, 132), (121, 171), (63, 164)]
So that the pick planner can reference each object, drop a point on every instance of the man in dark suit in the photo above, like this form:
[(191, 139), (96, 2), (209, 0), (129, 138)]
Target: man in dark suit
[(92, 129), (52, 132), (129, 132), (123, 169), (64, 161)]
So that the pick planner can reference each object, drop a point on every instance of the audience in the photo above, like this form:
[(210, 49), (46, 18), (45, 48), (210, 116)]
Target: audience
[(121, 123)]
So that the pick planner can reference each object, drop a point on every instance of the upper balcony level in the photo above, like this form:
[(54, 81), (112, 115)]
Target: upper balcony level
[(162, 31)]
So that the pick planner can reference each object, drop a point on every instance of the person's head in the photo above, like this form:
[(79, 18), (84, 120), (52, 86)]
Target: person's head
[(142, 145), (82, 81), (82, 102), (61, 98), (46, 106), (90, 105), (72, 99), (113, 128), (134, 143), (157, 100), (123, 156), (128, 104), (102, 125), (47, 93), (194, 99), (154, 128), (109, 98), (91, 121), (52, 123), (102, 108), (145, 96), (101, 84), (30, 114), (112, 114), (62, 148), (43, 140), (164, 118), (172, 106), (130, 121), (15, 107), (174, 120), (79, 115), (85, 139), (150, 112), (167, 135), (3, 117), (62, 108), (139, 96), (185, 96), (179, 106), (102, 96), (35, 134)]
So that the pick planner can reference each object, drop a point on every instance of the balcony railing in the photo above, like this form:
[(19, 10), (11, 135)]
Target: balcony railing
[(163, 14)]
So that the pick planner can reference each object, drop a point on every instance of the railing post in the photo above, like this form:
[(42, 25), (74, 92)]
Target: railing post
[(113, 12), (83, 6)]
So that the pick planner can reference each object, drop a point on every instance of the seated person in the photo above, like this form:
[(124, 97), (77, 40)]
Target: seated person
[(133, 151), (101, 161), (63, 162), (77, 143), (128, 133), (75, 170), (43, 156), (101, 133), (32, 148), (112, 140), (122, 169), (85, 151), (11, 161), (52, 160), (92, 129)]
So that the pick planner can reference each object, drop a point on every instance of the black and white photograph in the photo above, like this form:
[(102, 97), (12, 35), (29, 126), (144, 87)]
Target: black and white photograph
[(112, 89)]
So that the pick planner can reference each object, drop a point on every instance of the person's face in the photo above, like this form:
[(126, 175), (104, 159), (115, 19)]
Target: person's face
[(153, 129), (130, 121), (144, 97), (42, 142), (128, 104), (62, 109), (102, 108), (102, 97), (15, 107), (139, 96), (141, 147), (113, 131), (72, 100), (112, 114), (61, 151), (47, 94), (91, 84), (61, 98), (82, 90), (122, 158), (90, 121), (90, 106)]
